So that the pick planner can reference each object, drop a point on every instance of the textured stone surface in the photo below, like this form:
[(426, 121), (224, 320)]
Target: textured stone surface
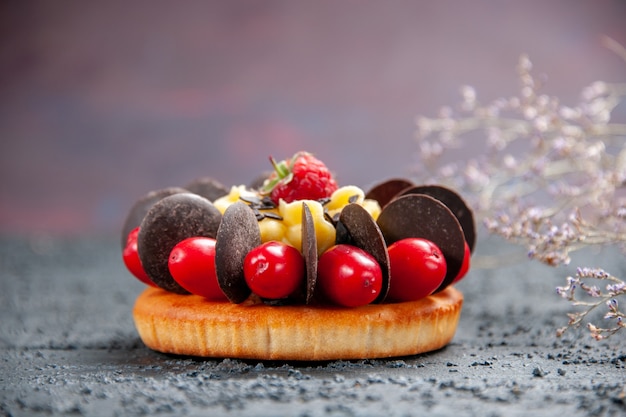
[(68, 347)]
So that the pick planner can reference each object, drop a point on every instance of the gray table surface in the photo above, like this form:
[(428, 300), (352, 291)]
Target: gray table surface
[(69, 347)]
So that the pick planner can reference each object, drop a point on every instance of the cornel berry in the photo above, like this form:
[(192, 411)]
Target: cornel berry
[(466, 264), (131, 258), (274, 270), (349, 276), (418, 268), (192, 264)]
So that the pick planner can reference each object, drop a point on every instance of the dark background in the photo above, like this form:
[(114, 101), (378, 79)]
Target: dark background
[(101, 102)]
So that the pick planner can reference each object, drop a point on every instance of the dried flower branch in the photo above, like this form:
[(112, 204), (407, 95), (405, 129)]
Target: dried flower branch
[(550, 177), (614, 289)]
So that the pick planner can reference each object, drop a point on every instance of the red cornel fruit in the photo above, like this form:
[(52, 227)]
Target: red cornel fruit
[(349, 276), (192, 265), (417, 269), (274, 270), (131, 259), (465, 266)]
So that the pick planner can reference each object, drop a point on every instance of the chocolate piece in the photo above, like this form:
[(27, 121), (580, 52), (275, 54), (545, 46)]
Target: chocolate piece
[(364, 233), (455, 203), (169, 221), (237, 235), (261, 206), (419, 215), (139, 210), (259, 181), (309, 251), (385, 191), (208, 188)]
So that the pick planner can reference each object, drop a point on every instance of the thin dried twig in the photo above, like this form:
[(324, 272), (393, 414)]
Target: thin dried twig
[(551, 178)]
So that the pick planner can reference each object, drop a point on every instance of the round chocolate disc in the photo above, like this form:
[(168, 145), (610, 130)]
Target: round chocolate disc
[(169, 221), (309, 252), (422, 216), (208, 188), (237, 235), (364, 233), (139, 210), (455, 203), (385, 191)]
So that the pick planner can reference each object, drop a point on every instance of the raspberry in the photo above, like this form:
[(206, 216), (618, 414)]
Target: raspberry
[(302, 177)]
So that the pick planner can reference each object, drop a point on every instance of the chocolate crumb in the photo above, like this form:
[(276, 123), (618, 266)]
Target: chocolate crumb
[(272, 215)]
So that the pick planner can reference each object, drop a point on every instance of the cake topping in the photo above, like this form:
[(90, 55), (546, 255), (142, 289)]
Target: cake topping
[(363, 232), (415, 257), (237, 235), (192, 265), (385, 191), (349, 276), (139, 210), (207, 187), (309, 251), (274, 270), (130, 255), (169, 221), (421, 216), (301, 177), (454, 202), (300, 207)]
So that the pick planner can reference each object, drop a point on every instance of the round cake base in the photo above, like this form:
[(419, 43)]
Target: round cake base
[(194, 326)]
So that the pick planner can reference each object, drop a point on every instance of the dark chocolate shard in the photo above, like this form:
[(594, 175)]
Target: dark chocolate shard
[(272, 215), (364, 233), (385, 191), (141, 207), (237, 235), (169, 221), (208, 188), (422, 216), (309, 251), (252, 200), (455, 203)]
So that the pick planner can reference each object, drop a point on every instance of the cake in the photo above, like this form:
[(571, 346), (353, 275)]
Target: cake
[(297, 267)]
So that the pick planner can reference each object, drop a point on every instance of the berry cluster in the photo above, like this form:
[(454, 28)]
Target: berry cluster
[(346, 274)]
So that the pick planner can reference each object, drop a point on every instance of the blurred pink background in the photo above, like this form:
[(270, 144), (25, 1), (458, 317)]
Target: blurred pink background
[(102, 102)]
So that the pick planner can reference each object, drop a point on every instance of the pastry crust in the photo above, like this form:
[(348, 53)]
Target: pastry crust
[(194, 326)]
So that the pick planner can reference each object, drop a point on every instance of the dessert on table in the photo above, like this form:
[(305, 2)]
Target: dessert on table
[(298, 267)]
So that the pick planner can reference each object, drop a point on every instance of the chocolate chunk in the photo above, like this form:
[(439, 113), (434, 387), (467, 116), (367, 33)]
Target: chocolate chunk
[(364, 233), (385, 191), (422, 216), (309, 251), (169, 221), (237, 235), (259, 181), (139, 210), (208, 188), (455, 203)]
